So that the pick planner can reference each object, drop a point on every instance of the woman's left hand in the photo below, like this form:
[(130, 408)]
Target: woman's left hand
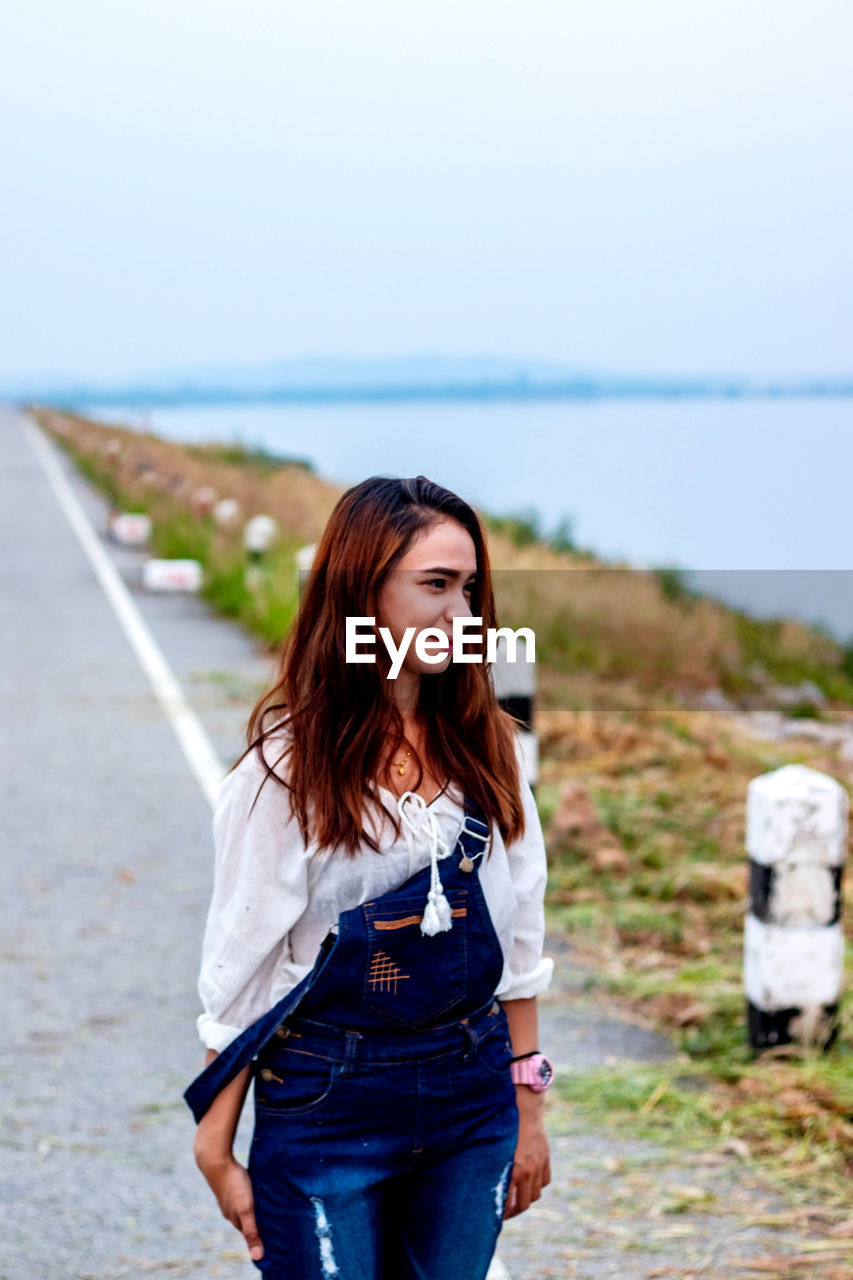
[(531, 1170)]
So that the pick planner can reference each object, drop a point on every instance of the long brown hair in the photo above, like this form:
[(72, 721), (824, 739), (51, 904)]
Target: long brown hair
[(339, 715)]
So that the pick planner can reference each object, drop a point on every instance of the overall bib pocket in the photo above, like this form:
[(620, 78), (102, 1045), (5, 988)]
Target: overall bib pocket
[(410, 978), (290, 1081)]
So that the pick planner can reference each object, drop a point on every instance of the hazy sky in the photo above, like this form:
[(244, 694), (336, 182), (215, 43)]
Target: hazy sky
[(660, 186)]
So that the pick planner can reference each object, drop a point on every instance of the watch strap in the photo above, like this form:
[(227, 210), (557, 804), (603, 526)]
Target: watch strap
[(532, 1069)]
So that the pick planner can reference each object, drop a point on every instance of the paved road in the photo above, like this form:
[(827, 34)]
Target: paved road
[(103, 892)]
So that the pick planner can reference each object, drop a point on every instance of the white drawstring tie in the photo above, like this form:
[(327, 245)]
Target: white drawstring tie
[(437, 917)]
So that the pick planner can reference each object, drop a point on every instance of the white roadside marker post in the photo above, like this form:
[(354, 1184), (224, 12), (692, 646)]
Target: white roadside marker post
[(129, 528), (172, 575), (258, 535), (226, 512), (203, 500), (796, 839)]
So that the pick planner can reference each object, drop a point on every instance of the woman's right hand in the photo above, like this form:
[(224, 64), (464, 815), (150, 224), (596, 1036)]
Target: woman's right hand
[(232, 1186), (213, 1150)]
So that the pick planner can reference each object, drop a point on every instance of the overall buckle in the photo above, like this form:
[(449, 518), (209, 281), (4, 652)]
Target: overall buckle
[(466, 862)]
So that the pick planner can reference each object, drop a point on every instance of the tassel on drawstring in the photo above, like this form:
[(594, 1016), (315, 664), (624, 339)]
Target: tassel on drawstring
[(437, 915)]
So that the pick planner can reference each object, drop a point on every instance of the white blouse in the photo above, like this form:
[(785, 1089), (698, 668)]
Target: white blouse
[(275, 899)]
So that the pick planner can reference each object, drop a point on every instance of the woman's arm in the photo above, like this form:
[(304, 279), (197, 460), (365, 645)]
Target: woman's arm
[(531, 1169), (523, 1019), (214, 1135), (531, 974), (260, 889), (212, 1148)]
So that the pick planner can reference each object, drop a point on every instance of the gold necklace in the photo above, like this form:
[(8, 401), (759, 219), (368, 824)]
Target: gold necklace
[(400, 765)]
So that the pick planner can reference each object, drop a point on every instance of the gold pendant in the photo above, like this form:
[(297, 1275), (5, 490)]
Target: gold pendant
[(466, 863)]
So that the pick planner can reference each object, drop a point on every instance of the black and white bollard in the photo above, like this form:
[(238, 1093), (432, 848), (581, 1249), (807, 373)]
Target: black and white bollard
[(258, 535), (515, 690), (796, 838)]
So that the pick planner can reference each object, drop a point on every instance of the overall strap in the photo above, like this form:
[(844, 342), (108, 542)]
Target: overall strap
[(475, 838), (236, 1055)]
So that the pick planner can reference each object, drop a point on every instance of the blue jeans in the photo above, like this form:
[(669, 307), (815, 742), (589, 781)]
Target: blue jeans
[(384, 1155)]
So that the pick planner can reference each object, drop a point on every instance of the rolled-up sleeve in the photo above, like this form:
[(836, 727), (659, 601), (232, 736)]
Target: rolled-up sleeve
[(260, 888), (530, 970)]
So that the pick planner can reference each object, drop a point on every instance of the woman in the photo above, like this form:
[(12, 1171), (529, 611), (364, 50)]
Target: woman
[(373, 949)]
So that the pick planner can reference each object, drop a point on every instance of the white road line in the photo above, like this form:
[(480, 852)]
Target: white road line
[(195, 744)]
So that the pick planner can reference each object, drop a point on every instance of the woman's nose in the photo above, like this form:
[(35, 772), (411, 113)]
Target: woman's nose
[(457, 607)]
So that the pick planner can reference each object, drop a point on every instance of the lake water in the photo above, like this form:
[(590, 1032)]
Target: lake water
[(751, 496)]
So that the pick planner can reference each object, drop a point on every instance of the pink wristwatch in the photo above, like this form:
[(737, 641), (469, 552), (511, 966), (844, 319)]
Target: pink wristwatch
[(535, 1070)]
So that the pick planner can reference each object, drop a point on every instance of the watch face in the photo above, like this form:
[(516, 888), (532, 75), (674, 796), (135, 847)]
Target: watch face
[(545, 1072)]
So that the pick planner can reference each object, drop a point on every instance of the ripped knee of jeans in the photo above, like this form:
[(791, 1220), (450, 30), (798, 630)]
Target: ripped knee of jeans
[(323, 1231), (502, 1188)]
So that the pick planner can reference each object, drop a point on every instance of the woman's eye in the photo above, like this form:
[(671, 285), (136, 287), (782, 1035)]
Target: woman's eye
[(441, 583)]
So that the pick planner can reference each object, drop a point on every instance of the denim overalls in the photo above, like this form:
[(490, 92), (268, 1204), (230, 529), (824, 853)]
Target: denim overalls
[(385, 1114)]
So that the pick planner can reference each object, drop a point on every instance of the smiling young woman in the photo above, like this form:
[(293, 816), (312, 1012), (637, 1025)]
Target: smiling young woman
[(373, 948)]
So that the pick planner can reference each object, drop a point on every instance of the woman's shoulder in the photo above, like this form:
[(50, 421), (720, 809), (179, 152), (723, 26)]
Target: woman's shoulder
[(252, 771)]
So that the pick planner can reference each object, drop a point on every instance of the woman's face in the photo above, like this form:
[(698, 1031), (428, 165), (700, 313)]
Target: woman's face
[(430, 586)]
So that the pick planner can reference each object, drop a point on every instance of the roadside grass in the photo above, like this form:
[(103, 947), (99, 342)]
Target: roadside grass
[(619, 624), (663, 929), (244, 455)]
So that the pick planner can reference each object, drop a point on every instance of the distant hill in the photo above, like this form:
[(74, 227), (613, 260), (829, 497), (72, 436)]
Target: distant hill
[(428, 377)]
